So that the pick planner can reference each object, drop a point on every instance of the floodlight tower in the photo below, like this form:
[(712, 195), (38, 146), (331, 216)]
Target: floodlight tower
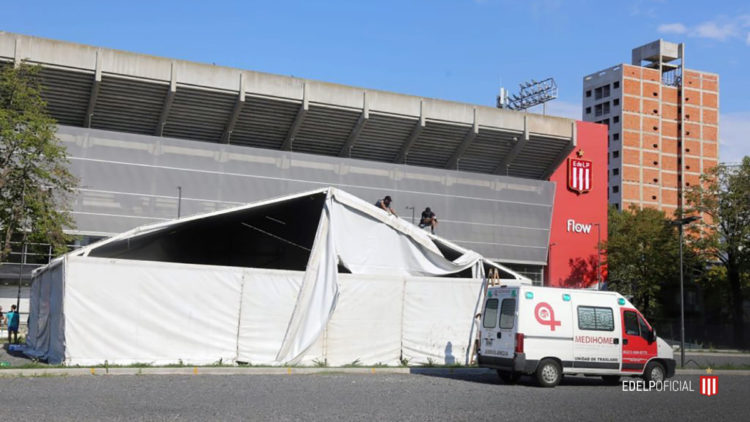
[(531, 93)]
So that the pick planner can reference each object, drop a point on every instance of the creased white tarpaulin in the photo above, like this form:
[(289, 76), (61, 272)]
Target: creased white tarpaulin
[(346, 232), (317, 295)]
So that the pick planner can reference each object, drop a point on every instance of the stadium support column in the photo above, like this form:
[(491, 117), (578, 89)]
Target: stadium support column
[(168, 100), (95, 86), (563, 154), (238, 105), (504, 165), (346, 149), (468, 139), (298, 120), (413, 136)]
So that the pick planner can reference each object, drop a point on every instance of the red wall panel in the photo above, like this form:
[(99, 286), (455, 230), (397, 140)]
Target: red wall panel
[(572, 259)]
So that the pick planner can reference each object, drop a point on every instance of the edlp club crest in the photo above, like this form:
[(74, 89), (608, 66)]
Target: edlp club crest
[(710, 385), (579, 174)]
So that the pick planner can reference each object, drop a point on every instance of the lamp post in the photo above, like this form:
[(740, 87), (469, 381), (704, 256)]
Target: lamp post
[(679, 223), (179, 200), (546, 280), (598, 256), (412, 213), (24, 250)]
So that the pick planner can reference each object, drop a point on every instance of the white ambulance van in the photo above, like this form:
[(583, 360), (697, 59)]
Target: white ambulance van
[(550, 332)]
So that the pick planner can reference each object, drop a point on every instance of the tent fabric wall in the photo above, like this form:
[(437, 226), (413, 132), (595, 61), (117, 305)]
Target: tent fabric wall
[(366, 326), (438, 318), (162, 313), (129, 312), (46, 334), (268, 298)]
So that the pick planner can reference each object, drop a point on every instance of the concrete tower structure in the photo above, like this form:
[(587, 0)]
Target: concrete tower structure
[(663, 125)]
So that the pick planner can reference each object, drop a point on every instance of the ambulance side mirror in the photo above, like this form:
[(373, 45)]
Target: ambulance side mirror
[(651, 336)]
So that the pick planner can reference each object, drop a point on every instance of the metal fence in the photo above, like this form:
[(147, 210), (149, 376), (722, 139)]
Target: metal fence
[(699, 333)]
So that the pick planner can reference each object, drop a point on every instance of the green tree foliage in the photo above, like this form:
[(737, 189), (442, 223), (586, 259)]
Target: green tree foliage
[(724, 234), (35, 182), (642, 256)]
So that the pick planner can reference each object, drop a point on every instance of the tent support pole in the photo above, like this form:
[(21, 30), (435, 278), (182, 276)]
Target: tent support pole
[(239, 320)]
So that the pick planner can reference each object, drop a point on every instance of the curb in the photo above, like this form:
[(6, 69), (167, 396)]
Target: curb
[(198, 370), (65, 372), (740, 372), (716, 354)]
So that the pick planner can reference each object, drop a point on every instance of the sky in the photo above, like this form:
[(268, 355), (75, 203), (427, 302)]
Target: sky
[(461, 50)]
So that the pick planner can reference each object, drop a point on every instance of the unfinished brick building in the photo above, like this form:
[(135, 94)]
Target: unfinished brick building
[(663, 125)]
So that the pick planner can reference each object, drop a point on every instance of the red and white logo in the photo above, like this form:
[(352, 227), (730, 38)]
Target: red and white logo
[(546, 316), (709, 385), (579, 174)]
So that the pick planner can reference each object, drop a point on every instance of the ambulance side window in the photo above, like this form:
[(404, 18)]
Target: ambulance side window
[(595, 318), (631, 324), (508, 313), (490, 314), (644, 328)]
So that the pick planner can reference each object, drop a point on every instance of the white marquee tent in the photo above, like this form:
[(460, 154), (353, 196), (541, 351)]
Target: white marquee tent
[(320, 276)]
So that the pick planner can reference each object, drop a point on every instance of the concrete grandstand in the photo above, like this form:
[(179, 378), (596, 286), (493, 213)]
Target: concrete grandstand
[(130, 122)]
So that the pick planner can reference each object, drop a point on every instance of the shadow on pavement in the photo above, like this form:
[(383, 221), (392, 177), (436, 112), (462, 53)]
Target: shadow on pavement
[(491, 378)]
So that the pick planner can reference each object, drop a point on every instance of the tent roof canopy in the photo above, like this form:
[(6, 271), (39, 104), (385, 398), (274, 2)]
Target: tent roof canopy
[(274, 234)]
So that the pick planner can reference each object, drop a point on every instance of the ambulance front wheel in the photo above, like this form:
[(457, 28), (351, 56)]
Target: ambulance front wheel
[(548, 373), (508, 377), (654, 372)]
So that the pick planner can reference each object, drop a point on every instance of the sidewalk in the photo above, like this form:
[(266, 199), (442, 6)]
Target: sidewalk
[(16, 362), (694, 359), (281, 371)]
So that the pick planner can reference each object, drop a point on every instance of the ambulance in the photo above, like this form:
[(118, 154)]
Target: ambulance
[(551, 332)]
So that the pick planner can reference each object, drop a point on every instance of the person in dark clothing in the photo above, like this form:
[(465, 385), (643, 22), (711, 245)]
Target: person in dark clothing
[(385, 205), (428, 220)]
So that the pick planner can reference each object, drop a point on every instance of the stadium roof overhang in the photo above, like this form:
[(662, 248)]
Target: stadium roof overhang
[(115, 90)]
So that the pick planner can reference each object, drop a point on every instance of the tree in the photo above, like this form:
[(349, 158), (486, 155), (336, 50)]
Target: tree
[(642, 255), (35, 183), (723, 197)]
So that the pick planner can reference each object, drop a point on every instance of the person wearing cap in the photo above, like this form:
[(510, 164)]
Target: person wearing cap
[(385, 204), (428, 220)]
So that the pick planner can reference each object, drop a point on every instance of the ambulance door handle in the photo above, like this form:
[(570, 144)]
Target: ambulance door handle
[(616, 341), (499, 334), (624, 341)]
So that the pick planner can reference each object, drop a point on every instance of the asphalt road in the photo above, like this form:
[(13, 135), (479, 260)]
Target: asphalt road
[(356, 397)]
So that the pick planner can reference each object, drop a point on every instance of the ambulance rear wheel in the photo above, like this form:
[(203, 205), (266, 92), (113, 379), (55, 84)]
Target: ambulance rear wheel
[(548, 373), (654, 372), (508, 377)]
